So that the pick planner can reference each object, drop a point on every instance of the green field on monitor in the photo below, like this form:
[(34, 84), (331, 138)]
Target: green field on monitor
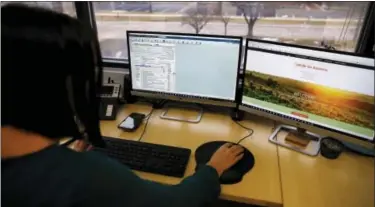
[(313, 117)]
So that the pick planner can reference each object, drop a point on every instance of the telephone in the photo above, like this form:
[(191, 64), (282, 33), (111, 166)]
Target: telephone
[(109, 101)]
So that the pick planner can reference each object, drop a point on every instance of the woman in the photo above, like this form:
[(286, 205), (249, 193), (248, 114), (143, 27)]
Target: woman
[(48, 88)]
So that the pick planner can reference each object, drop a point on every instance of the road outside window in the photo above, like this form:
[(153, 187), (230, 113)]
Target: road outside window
[(330, 25)]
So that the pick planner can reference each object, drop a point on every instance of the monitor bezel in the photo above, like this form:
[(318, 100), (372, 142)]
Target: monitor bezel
[(307, 48), (323, 130), (182, 97)]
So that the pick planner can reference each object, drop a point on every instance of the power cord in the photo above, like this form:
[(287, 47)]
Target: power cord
[(274, 127), (250, 130), (149, 114), (147, 118)]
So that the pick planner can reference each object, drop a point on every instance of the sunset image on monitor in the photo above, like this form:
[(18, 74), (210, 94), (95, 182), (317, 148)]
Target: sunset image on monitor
[(336, 96)]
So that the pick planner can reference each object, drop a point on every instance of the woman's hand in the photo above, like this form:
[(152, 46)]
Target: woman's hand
[(80, 146), (225, 157)]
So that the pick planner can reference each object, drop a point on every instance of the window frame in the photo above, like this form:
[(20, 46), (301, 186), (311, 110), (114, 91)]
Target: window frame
[(365, 43), (85, 12)]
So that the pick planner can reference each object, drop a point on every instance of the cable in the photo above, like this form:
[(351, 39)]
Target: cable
[(250, 130), (160, 104), (274, 123), (239, 124), (149, 114), (274, 128), (147, 118), (250, 133)]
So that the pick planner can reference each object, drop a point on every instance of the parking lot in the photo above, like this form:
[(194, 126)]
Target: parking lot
[(154, 7), (226, 7)]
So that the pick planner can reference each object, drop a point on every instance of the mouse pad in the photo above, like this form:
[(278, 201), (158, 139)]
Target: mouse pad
[(205, 151)]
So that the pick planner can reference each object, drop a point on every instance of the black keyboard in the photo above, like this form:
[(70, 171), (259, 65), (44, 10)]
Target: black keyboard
[(153, 158)]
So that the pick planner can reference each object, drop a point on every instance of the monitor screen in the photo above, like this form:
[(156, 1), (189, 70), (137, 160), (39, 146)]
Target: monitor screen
[(294, 49), (336, 96), (199, 66)]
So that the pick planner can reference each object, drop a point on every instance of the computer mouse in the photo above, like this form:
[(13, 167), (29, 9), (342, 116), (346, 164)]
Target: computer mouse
[(232, 175)]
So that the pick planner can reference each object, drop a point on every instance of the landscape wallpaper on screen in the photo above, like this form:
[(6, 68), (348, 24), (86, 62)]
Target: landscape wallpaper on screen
[(341, 105)]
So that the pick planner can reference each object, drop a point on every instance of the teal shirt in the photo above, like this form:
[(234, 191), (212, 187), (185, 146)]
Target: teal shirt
[(58, 176)]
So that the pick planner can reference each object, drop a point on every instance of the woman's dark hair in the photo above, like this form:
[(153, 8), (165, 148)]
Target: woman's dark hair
[(51, 69)]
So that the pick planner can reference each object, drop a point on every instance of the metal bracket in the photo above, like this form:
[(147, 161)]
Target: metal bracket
[(312, 149), (197, 120)]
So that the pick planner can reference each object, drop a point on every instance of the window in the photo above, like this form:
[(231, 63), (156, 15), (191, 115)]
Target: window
[(331, 25), (64, 7)]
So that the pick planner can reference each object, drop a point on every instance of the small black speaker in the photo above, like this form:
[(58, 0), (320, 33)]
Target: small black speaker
[(126, 90)]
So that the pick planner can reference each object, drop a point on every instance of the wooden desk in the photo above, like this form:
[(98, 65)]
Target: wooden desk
[(261, 186), (319, 182), (305, 181)]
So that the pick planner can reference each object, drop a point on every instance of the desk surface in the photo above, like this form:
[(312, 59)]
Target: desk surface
[(347, 181), (301, 181), (261, 186)]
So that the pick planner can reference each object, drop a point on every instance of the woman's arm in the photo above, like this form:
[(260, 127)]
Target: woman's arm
[(199, 189), (115, 183)]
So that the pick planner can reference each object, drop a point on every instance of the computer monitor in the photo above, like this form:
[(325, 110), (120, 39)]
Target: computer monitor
[(329, 97), (185, 67)]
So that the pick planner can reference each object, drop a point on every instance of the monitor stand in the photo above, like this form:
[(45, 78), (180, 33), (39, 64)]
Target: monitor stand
[(164, 114), (297, 139)]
